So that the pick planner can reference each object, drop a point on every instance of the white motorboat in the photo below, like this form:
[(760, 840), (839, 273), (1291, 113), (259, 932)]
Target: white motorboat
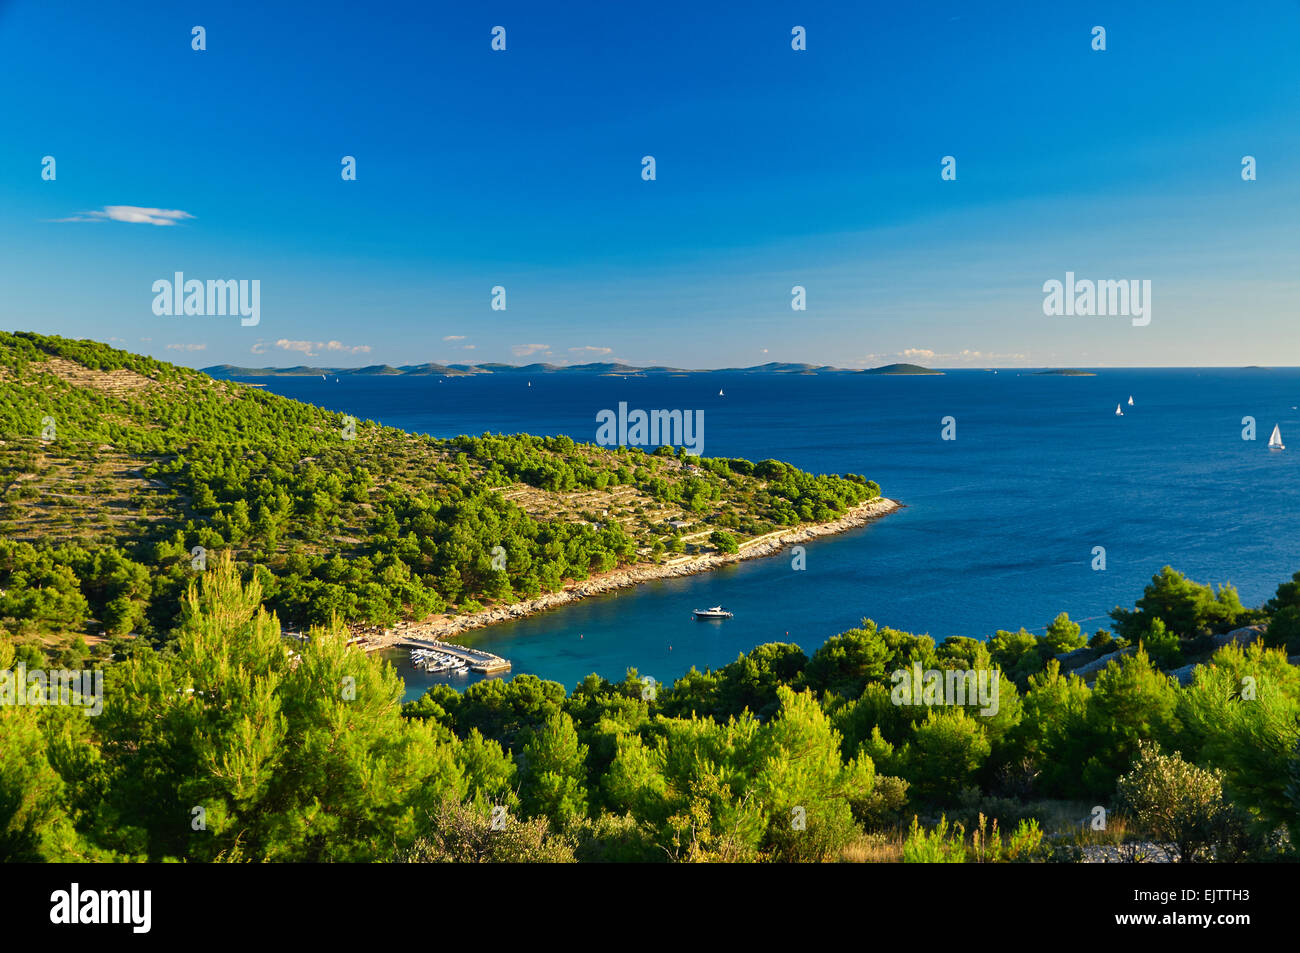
[(716, 612)]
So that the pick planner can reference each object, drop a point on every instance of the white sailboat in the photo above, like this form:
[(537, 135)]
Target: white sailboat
[(720, 392), (1275, 441), (1130, 400), (1118, 411)]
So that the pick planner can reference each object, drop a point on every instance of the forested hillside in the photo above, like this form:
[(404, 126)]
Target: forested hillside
[(219, 740), (115, 467), (228, 746)]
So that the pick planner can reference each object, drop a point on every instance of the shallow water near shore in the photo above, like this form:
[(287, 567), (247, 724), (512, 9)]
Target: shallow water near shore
[(999, 525)]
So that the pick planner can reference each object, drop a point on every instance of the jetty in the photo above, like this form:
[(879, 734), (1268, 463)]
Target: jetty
[(484, 663), (477, 660)]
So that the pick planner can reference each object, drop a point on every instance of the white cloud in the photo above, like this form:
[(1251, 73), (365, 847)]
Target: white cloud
[(186, 347), (527, 350), (133, 214), (588, 349), (948, 359), (313, 348), (347, 348), (454, 337)]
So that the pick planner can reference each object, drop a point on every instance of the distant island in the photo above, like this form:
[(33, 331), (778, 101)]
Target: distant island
[(902, 369), (230, 371), (1065, 372)]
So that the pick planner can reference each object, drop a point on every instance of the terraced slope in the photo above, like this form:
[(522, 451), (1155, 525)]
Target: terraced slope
[(121, 475)]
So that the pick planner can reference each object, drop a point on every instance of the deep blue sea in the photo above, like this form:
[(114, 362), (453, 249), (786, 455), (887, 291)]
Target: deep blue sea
[(999, 525)]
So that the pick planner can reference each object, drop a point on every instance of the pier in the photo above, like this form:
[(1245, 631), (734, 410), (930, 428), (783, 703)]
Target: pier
[(483, 663)]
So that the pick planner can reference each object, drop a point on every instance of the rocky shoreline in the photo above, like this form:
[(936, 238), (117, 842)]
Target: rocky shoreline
[(447, 627)]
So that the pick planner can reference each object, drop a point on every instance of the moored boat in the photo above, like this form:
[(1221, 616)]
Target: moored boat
[(716, 612)]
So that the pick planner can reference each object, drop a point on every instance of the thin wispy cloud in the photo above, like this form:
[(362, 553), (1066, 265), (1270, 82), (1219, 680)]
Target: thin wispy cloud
[(454, 337), (588, 349), (314, 348), (965, 356), (186, 347), (131, 214), (528, 350)]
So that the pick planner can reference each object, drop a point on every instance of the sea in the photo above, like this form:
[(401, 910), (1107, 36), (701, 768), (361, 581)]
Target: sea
[(1044, 499)]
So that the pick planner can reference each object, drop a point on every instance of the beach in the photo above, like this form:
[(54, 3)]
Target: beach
[(443, 627)]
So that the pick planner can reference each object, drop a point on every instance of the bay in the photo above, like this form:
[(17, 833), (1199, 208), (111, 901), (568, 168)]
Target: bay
[(999, 527)]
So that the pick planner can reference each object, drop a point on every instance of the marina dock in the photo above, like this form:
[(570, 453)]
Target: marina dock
[(483, 663), (478, 661)]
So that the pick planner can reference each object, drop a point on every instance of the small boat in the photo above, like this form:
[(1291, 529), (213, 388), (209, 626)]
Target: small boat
[(1275, 441), (720, 394), (1130, 400), (717, 612), (1118, 412)]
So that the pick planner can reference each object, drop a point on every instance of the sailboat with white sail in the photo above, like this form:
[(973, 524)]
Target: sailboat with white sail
[(1118, 411), (1275, 440), (1130, 400)]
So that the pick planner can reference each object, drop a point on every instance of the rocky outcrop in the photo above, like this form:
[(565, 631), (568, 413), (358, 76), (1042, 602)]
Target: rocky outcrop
[(1243, 636), (1184, 675), (1093, 667), (1070, 659)]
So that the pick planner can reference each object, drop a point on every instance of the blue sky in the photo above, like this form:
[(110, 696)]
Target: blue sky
[(522, 169)]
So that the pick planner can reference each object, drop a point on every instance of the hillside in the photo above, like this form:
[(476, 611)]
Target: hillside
[(115, 467), (227, 371), (902, 370)]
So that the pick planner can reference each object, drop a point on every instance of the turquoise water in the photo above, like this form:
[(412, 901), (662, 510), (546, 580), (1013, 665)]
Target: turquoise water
[(1000, 523)]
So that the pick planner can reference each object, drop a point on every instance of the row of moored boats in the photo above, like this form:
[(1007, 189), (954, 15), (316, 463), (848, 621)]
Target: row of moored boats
[(431, 660)]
